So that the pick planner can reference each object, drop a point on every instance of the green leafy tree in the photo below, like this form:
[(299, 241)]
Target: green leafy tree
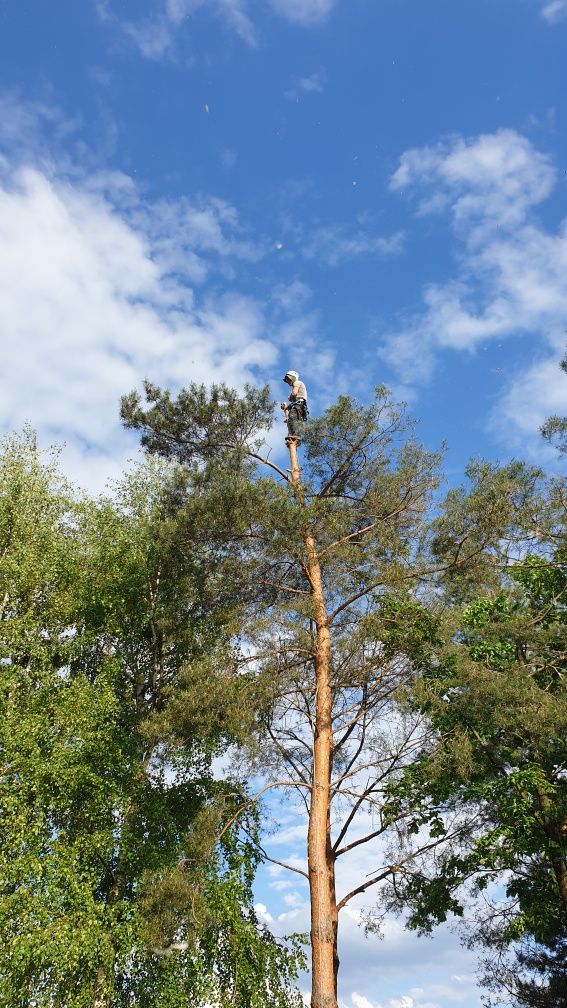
[(498, 701), (113, 889), (332, 562)]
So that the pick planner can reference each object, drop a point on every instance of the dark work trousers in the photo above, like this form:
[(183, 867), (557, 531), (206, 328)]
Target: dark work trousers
[(294, 417)]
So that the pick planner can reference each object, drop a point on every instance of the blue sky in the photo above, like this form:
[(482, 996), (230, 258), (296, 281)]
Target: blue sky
[(361, 190)]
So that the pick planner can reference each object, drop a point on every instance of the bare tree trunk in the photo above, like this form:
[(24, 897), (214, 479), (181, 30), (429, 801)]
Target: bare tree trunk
[(321, 861)]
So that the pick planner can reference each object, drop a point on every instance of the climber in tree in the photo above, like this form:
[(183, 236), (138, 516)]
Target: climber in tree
[(295, 408)]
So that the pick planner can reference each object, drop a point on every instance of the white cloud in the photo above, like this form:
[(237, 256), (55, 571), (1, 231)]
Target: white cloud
[(510, 279), (19, 122), (280, 885), (304, 12), (554, 11), (229, 157), (292, 295), (155, 35), (235, 15), (262, 912), (293, 899), (491, 180), (532, 396), (359, 1001), (99, 289), (33, 131), (334, 245), (289, 835), (88, 308), (314, 84), (412, 1000), (183, 231)]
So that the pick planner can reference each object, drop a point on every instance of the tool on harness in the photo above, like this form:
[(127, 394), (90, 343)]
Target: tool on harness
[(299, 407)]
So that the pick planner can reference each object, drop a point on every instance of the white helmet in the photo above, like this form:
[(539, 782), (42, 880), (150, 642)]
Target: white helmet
[(291, 377)]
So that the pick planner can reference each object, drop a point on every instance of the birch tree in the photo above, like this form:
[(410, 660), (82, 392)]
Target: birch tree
[(108, 820)]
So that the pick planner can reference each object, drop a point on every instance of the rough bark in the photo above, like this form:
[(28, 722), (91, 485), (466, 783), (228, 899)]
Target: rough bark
[(320, 856), (100, 999), (560, 871), (556, 838)]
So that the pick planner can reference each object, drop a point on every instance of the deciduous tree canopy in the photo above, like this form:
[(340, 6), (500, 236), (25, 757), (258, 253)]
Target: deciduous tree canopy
[(114, 887)]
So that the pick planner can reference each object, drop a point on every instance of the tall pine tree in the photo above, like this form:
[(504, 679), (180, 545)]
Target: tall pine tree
[(333, 557)]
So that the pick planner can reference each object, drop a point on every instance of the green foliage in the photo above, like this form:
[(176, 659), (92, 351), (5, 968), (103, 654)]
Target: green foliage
[(115, 668), (497, 698), (201, 422), (446, 638), (404, 625), (480, 520)]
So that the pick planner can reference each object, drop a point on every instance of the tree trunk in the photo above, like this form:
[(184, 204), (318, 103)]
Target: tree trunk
[(100, 999), (115, 893), (557, 840), (560, 871), (320, 858)]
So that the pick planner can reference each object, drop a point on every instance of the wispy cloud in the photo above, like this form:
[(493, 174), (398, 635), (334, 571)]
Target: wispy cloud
[(554, 11), (235, 15), (334, 245), (25, 127), (510, 277), (156, 34), (313, 84), (533, 394), (154, 37), (304, 12)]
